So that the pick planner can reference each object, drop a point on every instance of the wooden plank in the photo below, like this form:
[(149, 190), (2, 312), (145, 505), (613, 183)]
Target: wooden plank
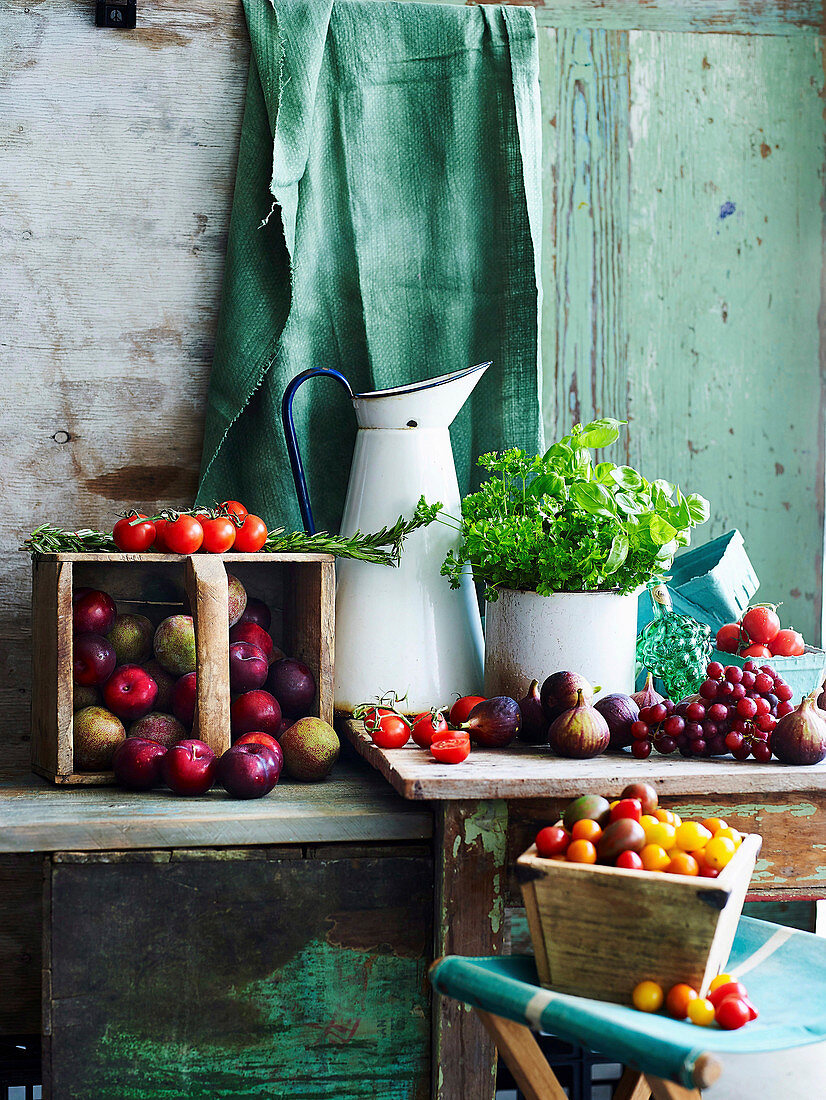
[(307, 975), (525, 771), (21, 899), (46, 662), (470, 857), (311, 596), (632, 1086), (727, 17), (350, 806), (525, 1060), (206, 580), (791, 865)]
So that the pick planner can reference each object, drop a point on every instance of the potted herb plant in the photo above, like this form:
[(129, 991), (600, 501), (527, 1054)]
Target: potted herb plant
[(562, 547)]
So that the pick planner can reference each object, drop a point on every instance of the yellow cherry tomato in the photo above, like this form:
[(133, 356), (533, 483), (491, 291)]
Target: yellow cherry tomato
[(663, 834), (648, 821), (664, 815), (654, 857), (676, 820), (732, 834), (714, 824), (718, 852), (691, 836), (647, 996), (581, 851), (586, 829), (700, 1011), (721, 979), (682, 863)]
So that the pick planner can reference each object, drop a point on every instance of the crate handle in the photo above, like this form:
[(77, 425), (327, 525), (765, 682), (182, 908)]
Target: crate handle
[(206, 585)]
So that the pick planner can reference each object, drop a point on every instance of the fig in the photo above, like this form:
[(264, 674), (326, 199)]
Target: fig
[(625, 835), (645, 795), (800, 736), (647, 697), (592, 807), (533, 727), (620, 712), (559, 693), (493, 723), (579, 733)]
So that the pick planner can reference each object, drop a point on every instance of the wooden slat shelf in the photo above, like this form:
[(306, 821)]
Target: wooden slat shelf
[(524, 771), (353, 805)]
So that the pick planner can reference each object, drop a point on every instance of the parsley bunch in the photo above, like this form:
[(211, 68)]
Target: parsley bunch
[(559, 523)]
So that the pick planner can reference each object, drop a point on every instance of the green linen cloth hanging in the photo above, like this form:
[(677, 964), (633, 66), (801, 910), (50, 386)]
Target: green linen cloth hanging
[(385, 222)]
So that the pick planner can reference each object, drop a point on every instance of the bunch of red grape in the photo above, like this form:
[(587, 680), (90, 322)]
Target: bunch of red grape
[(735, 711)]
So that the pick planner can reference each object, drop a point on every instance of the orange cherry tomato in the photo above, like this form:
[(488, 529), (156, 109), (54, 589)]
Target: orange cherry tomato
[(676, 1002), (585, 829), (235, 508), (219, 535), (184, 535), (451, 750), (251, 535), (581, 851), (683, 863)]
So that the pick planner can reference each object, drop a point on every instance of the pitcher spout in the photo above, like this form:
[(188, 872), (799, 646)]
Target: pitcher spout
[(432, 403)]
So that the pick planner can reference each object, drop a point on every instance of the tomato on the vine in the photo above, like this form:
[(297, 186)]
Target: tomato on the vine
[(219, 534), (388, 729), (183, 535), (132, 537), (761, 623), (251, 535), (729, 638), (462, 708), (160, 542), (451, 750), (235, 508), (429, 727), (787, 643)]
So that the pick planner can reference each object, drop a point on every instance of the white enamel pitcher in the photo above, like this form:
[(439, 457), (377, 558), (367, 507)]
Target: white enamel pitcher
[(400, 629)]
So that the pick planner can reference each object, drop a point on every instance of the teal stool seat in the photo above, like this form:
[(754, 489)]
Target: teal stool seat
[(784, 970)]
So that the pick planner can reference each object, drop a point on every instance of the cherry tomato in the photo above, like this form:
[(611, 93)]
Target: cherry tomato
[(700, 1011), (787, 643), (721, 979), (630, 861), (756, 650), (654, 857), (388, 729), (451, 750), (626, 807), (761, 623), (134, 538), (581, 851), (728, 989), (718, 852), (184, 535), (428, 728), (647, 996), (219, 535), (676, 1003), (682, 863), (732, 1013), (691, 836), (552, 841), (251, 535), (160, 542), (729, 638), (462, 708), (586, 829), (235, 508), (713, 824)]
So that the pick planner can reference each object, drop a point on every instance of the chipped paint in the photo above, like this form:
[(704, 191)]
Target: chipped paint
[(747, 809), (487, 823), (726, 210)]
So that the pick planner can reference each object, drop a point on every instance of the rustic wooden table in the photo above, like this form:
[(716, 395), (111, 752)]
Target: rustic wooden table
[(193, 946), (488, 809)]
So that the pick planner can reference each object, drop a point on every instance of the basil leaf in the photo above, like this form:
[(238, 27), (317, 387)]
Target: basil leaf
[(593, 497), (698, 507), (619, 552), (600, 433)]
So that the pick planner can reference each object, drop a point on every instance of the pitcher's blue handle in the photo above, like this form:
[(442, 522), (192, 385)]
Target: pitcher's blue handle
[(292, 443)]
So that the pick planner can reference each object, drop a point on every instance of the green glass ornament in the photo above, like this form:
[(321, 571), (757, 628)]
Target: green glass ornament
[(674, 647)]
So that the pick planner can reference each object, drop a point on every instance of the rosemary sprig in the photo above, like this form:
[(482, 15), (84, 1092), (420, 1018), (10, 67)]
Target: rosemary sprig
[(381, 547)]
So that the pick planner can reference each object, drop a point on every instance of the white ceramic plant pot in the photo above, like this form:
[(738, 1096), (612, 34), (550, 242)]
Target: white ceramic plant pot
[(528, 637)]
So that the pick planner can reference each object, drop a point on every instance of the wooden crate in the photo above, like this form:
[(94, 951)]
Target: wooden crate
[(598, 931), (300, 589)]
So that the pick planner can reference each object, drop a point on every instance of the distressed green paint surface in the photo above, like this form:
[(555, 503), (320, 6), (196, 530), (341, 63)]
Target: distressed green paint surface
[(354, 1026), (747, 809), (723, 290)]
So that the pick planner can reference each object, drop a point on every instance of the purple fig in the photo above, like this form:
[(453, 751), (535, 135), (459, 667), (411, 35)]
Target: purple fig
[(580, 732), (800, 736), (534, 725), (620, 712), (559, 693), (493, 723), (647, 697)]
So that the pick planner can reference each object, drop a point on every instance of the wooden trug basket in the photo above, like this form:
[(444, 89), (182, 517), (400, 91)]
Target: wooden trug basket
[(598, 931), (300, 589)]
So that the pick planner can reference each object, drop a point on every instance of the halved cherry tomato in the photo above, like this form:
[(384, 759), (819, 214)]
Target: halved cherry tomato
[(184, 535), (251, 535), (219, 535), (428, 728), (131, 537), (235, 508), (388, 729), (451, 750), (462, 708)]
